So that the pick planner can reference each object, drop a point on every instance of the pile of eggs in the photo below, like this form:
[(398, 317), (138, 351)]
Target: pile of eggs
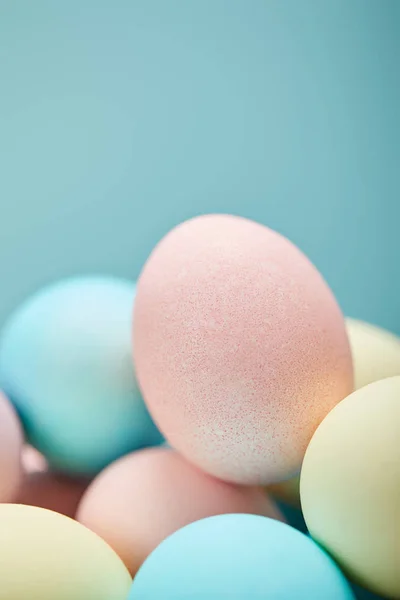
[(149, 433)]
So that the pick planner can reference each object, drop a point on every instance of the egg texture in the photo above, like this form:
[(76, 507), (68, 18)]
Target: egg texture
[(46, 556), (11, 441), (66, 364), (376, 352), (240, 347), (376, 355), (144, 497), (240, 557), (350, 486), (32, 460)]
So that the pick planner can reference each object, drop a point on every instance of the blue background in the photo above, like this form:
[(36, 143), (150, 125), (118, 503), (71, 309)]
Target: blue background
[(120, 119)]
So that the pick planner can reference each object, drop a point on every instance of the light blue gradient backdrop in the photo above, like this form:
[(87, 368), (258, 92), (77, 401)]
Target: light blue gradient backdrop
[(119, 119)]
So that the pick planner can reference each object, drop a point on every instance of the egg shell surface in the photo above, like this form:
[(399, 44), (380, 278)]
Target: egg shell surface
[(376, 352), (350, 486), (376, 355), (32, 460), (11, 442), (144, 497), (240, 557), (66, 364), (240, 347), (46, 556)]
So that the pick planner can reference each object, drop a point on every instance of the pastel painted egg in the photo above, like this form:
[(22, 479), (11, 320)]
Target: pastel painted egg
[(11, 440), (32, 460), (350, 486), (54, 491), (65, 362), (240, 348), (48, 556), (144, 497), (376, 355), (376, 352), (243, 557)]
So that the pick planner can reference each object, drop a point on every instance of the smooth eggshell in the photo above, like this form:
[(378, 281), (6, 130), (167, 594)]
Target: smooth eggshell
[(240, 347), (53, 491), (376, 352), (144, 497), (239, 557), (66, 363), (32, 460), (376, 355), (46, 556), (11, 440), (350, 486)]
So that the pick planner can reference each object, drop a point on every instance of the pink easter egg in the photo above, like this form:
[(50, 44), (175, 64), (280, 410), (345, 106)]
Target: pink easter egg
[(240, 347), (145, 496), (32, 460), (11, 440)]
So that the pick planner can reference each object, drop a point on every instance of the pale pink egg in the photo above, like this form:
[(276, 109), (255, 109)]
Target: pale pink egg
[(11, 440), (239, 346), (32, 460), (53, 491), (145, 496)]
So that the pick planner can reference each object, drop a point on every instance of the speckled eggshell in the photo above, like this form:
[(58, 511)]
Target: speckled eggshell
[(240, 347), (376, 355), (11, 440), (376, 352), (144, 497), (350, 486)]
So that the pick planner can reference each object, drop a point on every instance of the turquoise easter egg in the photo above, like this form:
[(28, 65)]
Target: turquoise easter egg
[(66, 364), (240, 557)]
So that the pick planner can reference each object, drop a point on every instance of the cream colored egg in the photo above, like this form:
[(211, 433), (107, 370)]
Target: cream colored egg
[(350, 486), (46, 556), (376, 352)]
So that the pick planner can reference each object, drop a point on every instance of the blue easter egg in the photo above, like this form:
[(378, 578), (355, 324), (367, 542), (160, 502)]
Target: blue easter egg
[(66, 363), (240, 557)]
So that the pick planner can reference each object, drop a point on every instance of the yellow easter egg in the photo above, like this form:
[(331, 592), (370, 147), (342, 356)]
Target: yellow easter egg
[(376, 352), (46, 556), (350, 486)]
